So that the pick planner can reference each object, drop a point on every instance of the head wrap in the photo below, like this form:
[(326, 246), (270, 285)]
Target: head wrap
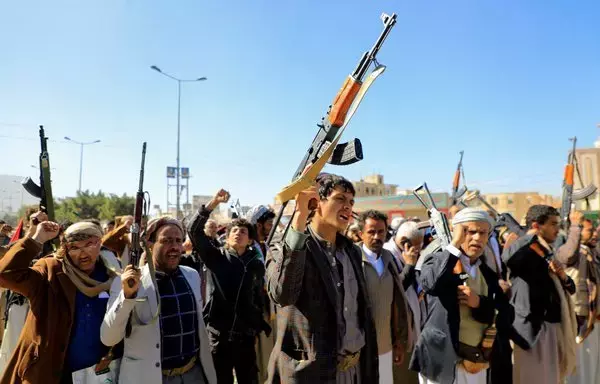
[(84, 283), (397, 222), (255, 213), (470, 214), (155, 224), (82, 231)]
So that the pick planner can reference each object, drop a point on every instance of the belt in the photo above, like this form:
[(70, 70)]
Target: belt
[(181, 370), (473, 358), (346, 362)]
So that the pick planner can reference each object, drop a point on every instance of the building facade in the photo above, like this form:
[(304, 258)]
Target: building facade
[(517, 203), (406, 205), (373, 185), (589, 168)]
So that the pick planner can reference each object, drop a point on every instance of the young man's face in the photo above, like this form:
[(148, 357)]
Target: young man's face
[(373, 234), (549, 230), (264, 229), (588, 234), (336, 210), (238, 237)]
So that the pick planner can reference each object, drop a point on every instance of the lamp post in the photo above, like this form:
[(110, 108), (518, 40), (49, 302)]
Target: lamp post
[(179, 81), (81, 145)]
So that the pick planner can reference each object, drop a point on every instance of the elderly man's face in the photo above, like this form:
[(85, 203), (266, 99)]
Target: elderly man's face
[(475, 239), (210, 229), (84, 253)]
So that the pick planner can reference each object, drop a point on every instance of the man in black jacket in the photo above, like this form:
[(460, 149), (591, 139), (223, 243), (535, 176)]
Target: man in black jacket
[(462, 295), (233, 310), (544, 325)]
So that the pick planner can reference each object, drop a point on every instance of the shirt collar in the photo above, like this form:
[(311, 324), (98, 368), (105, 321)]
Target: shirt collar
[(370, 254), (471, 269)]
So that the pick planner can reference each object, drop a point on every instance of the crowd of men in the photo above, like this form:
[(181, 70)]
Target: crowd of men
[(330, 300)]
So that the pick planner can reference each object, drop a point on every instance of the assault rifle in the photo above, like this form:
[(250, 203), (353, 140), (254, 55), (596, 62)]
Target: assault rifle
[(569, 194), (456, 194), (437, 220), (135, 252), (43, 191), (503, 219), (325, 146)]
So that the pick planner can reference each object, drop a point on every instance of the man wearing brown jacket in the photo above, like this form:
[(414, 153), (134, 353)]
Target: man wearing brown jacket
[(67, 294)]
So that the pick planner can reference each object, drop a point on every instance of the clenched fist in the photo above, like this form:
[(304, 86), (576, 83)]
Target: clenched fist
[(45, 231)]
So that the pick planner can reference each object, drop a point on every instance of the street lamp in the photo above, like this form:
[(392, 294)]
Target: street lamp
[(179, 81), (81, 144)]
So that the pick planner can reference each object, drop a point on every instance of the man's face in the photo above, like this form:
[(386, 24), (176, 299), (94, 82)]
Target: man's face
[(476, 238), (549, 230), (588, 234), (210, 229), (168, 248), (264, 228), (336, 210), (238, 238), (373, 234), (84, 253)]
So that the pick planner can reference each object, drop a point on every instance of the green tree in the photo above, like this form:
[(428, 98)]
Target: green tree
[(89, 205)]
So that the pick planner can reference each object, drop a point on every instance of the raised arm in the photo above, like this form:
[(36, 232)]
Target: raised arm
[(568, 253), (15, 271), (204, 247), (286, 256)]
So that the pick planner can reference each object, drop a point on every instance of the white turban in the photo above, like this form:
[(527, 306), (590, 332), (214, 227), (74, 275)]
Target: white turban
[(397, 222), (472, 214), (256, 213)]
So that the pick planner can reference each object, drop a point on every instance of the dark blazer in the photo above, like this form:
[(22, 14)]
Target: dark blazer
[(533, 293), (435, 355), (306, 348)]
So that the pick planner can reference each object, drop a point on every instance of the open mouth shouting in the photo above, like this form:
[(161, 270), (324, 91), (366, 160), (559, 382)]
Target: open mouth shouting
[(344, 217)]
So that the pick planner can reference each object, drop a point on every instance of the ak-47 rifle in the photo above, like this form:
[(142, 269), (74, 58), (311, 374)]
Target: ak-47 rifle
[(456, 181), (43, 191), (135, 252), (325, 146), (504, 219), (569, 194), (439, 222)]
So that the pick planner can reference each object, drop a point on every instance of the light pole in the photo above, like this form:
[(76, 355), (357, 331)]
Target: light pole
[(81, 144), (179, 81)]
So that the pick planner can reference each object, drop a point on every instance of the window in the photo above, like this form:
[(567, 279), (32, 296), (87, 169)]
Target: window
[(510, 201), (494, 201)]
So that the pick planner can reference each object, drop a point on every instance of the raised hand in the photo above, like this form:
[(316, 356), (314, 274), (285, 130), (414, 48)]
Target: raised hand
[(130, 274), (45, 231)]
